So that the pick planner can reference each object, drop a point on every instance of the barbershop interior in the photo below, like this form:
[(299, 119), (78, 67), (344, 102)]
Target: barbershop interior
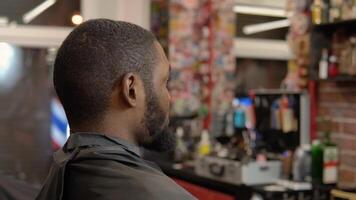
[(263, 94)]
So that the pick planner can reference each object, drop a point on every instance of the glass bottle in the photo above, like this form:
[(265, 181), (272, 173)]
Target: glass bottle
[(317, 11), (323, 65), (317, 161), (330, 160), (333, 70)]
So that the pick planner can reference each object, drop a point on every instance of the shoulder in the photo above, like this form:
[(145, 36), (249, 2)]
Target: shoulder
[(107, 184), (109, 174), (109, 163), (94, 179)]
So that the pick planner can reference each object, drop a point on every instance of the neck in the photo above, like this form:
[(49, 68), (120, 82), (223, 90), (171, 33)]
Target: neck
[(109, 127), (119, 132)]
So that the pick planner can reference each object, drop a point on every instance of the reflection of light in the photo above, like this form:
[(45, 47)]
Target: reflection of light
[(77, 19), (6, 56), (67, 132), (236, 102), (10, 66), (4, 21)]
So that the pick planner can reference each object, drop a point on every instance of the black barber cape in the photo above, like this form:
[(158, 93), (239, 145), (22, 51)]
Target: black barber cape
[(92, 166)]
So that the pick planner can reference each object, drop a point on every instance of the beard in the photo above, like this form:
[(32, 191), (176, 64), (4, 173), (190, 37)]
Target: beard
[(158, 136)]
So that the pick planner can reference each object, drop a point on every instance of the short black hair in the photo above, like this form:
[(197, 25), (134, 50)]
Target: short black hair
[(93, 57)]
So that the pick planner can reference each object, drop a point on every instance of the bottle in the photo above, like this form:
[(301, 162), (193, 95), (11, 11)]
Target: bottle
[(181, 150), (287, 115), (276, 116), (325, 13), (330, 160), (302, 163), (323, 64), (229, 123), (352, 68), (317, 161), (248, 107), (353, 15), (335, 11), (239, 118), (333, 69), (317, 11), (204, 145)]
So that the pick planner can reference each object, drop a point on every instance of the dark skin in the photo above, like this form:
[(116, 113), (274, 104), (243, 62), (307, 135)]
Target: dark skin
[(127, 104)]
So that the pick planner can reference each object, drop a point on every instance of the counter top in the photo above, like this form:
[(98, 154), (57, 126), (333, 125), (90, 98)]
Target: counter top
[(188, 174)]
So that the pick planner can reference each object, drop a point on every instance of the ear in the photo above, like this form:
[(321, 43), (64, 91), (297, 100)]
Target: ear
[(130, 89)]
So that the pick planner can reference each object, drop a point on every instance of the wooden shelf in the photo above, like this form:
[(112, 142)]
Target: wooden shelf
[(273, 92), (348, 24), (183, 117), (341, 78)]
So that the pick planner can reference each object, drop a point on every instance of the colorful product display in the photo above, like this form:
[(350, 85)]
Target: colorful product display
[(159, 22), (299, 41), (329, 11), (340, 59), (200, 50)]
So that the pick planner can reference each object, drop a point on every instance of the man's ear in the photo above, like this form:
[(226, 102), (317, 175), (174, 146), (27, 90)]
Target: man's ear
[(130, 89)]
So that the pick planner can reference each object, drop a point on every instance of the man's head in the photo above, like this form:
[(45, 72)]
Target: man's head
[(112, 75)]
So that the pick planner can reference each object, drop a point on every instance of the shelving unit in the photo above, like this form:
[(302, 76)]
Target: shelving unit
[(340, 78), (321, 36)]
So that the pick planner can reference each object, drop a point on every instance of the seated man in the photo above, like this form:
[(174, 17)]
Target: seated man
[(111, 78)]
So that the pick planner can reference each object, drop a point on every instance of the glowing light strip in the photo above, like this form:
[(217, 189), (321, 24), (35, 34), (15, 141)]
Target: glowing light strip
[(257, 10), (256, 28), (30, 15)]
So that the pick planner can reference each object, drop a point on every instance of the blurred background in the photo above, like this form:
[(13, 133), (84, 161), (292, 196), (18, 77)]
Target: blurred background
[(263, 93)]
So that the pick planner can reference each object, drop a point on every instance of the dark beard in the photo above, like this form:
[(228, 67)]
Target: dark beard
[(159, 137)]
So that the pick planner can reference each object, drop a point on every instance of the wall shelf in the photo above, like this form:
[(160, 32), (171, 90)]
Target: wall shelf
[(321, 37), (348, 24), (341, 78)]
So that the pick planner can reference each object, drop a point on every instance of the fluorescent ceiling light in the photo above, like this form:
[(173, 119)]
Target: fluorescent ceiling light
[(30, 15), (256, 28), (259, 10)]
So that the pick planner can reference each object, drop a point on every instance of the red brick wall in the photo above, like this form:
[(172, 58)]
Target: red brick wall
[(337, 104)]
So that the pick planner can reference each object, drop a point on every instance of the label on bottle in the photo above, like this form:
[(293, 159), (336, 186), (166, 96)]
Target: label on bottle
[(331, 162), (204, 149)]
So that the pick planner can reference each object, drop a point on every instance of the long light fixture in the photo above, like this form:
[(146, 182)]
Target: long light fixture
[(259, 10), (256, 28), (30, 15)]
